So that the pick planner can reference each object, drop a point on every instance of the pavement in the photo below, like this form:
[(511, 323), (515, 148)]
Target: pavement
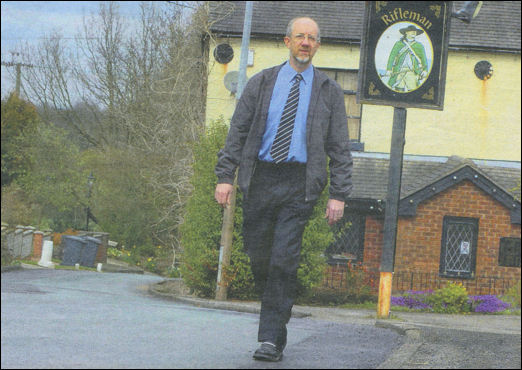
[(431, 340)]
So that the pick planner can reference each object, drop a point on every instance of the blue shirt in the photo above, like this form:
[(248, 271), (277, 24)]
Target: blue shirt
[(284, 82)]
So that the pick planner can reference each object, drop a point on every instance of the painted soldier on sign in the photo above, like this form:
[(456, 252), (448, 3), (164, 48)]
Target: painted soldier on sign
[(407, 66)]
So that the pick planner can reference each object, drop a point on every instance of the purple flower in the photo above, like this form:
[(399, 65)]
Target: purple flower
[(487, 303), (412, 299)]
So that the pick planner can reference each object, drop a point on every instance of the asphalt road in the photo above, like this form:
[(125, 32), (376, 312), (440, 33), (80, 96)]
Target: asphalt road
[(83, 319), (442, 348)]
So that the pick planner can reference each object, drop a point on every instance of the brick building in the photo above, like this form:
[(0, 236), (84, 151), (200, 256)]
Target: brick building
[(459, 220)]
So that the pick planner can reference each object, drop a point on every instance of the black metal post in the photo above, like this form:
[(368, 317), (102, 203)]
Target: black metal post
[(392, 210), (394, 188)]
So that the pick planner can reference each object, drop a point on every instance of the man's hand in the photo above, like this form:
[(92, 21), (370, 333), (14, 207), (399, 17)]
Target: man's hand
[(222, 194), (334, 211)]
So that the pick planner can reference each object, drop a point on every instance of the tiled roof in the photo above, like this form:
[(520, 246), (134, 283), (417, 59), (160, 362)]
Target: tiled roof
[(497, 25), (370, 175)]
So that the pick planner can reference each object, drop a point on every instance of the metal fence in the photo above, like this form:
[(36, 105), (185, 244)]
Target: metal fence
[(337, 277), (478, 285)]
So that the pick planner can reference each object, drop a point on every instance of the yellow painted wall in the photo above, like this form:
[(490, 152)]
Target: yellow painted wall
[(481, 119), (266, 54)]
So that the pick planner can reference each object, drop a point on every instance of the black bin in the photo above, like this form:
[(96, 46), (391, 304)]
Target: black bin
[(72, 249), (89, 251)]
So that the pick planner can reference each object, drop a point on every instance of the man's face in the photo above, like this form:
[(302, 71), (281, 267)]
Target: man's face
[(303, 43), (410, 35)]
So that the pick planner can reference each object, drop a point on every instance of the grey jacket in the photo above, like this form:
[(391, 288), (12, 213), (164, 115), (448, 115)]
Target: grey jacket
[(326, 134)]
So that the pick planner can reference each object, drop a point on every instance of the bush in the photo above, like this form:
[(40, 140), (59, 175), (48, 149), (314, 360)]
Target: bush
[(323, 296), (17, 209), (50, 192), (512, 295), (358, 281), (146, 250), (453, 298), (123, 202), (201, 232)]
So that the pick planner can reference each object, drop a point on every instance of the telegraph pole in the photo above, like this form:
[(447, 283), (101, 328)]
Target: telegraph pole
[(18, 71), (227, 229)]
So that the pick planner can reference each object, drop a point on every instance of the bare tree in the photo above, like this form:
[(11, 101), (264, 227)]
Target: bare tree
[(144, 86)]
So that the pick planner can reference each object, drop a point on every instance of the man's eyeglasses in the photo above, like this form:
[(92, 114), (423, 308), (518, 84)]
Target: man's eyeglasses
[(301, 37)]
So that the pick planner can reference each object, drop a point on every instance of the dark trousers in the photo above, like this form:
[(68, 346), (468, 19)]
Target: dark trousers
[(274, 217)]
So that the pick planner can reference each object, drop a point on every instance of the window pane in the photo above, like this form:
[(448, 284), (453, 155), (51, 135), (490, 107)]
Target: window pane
[(348, 82), (354, 129), (349, 238), (458, 241), (509, 252), (458, 247)]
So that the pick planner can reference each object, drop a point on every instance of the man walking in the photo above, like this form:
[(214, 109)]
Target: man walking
[(288, 120)]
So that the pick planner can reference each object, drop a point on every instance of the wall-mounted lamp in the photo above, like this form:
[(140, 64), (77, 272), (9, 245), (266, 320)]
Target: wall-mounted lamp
[(223, 53), (483, 70)]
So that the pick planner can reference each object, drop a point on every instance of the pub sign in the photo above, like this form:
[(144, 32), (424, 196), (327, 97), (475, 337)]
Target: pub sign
[(404, 52)]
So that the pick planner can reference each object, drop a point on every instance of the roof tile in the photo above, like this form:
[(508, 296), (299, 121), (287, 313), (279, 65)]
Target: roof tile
[(370, 176), (497, 25)]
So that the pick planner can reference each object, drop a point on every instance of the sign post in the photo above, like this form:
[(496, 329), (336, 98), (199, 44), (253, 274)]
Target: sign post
[(403, 61), (392, 211)]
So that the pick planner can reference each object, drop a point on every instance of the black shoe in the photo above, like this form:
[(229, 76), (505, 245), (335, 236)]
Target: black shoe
[(268, 352)]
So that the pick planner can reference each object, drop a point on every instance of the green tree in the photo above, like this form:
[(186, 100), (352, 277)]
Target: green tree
[(19, 123), (56, 181), (123, 202), (47, 188)]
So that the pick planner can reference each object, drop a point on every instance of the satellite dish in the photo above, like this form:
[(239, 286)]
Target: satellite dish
[(223, 53), (230, 80)]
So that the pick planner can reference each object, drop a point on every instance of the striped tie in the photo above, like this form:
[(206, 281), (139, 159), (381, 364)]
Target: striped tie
[(281, 144)]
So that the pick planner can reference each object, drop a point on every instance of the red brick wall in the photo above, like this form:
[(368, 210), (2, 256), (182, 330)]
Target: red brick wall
[(419, 238), (335, 276), (373, 239)]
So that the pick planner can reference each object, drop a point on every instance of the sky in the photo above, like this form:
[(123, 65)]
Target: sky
[(30, 21)]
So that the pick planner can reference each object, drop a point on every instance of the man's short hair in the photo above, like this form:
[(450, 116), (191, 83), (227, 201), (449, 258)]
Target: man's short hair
[(291, 26)]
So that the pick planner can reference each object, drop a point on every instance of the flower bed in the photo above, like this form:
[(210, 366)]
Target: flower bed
[(445, 300)]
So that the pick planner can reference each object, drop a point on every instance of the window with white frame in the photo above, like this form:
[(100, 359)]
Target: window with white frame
[(347, 79)]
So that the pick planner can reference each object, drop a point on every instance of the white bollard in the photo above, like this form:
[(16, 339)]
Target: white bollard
[(47, 254), (99, 267)]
